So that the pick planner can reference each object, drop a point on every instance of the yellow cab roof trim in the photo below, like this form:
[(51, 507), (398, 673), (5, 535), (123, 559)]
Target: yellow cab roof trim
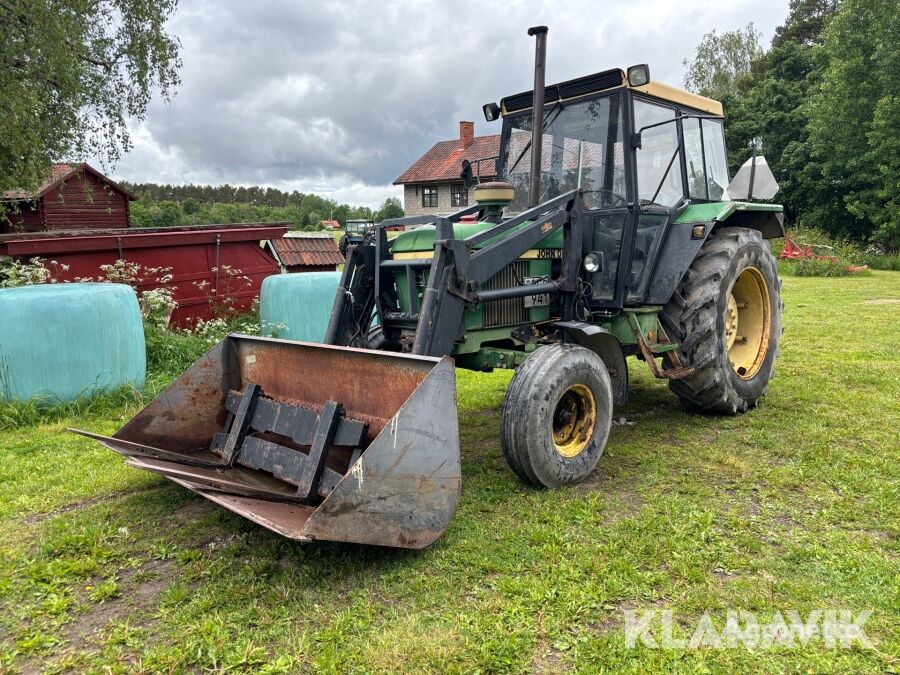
[(669, 93)]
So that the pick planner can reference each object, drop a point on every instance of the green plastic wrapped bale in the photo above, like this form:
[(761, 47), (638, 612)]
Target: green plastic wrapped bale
[(297, 306), (65, 341)]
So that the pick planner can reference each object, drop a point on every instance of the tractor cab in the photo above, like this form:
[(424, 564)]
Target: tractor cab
[(356, 230), (640, 152)]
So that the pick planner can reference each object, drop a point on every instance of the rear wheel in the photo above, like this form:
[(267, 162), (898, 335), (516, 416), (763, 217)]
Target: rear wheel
[(343, 244), (726, 317), (556, 416)]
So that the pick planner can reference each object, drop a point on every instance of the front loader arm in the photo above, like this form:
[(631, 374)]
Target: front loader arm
[(457, 269)]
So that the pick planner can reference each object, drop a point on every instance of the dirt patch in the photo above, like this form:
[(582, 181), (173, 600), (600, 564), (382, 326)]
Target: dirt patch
[(194, 508), (883, 301), (138, 597), (548, 660), (140, 589)]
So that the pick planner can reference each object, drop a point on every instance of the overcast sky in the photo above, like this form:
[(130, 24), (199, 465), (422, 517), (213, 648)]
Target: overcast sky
[(338, 98)]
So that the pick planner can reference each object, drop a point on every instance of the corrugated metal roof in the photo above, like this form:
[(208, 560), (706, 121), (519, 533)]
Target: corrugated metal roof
[(444, 161), (307, 251)]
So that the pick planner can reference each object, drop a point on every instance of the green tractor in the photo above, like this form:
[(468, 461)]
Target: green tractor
[(609, 233)]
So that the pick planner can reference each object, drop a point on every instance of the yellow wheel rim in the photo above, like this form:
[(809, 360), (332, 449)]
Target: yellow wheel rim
[(748, 323), (574, 420)]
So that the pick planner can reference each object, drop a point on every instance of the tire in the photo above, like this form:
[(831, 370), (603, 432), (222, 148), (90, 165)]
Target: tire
[(375, 338), (342, 246), (732, 278), (556, 416)]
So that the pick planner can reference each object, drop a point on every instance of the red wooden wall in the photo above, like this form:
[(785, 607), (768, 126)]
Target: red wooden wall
[(83, 201), (197, 258), (26, 219)]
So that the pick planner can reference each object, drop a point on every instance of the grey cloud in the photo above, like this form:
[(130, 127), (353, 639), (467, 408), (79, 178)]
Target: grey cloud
[(325, 95)]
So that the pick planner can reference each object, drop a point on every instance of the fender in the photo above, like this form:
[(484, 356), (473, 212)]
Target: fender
[(605, 345), (681, 246)]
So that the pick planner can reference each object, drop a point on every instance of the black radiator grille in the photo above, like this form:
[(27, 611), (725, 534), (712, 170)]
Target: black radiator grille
[(506, 312)]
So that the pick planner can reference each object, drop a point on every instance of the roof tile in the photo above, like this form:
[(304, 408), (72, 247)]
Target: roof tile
[(443, 162), (307, 251)]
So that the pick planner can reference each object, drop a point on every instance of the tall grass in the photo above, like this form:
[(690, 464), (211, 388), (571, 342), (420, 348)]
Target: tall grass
[(48, 409)]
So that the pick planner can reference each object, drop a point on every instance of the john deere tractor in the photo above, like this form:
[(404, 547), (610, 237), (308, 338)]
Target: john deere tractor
[(612, 231)]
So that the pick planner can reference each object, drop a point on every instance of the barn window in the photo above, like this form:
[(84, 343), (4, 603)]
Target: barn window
[(459, 196), (429, 196)]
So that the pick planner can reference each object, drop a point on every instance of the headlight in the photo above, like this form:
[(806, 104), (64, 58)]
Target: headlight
[(592, 262)]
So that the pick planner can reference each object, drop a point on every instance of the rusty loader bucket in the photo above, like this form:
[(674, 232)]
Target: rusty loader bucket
[(310, 441)]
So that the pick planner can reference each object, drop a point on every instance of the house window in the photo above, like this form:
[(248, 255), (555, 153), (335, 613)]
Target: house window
[(429, 196), (459, 196)]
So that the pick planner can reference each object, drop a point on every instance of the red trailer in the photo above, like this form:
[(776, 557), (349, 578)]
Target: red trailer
[(209, 264)]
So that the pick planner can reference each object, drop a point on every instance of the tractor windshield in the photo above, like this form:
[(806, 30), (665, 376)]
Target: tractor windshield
[(582, 147)]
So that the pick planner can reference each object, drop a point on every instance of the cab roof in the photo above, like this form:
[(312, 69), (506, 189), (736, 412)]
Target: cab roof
[(605, 81)]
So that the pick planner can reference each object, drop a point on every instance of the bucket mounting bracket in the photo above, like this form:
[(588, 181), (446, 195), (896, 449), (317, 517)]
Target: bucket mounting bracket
[(257, 429)]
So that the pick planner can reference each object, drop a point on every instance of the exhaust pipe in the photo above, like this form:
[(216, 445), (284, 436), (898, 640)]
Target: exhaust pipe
[(537, 112)]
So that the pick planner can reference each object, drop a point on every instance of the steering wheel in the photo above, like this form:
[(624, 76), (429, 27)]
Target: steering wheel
[(615, 195)]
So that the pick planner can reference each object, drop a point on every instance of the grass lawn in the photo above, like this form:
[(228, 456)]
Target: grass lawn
[(793, 506)]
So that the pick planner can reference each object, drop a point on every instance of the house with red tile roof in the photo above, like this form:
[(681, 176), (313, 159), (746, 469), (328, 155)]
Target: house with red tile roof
[(433, 185)]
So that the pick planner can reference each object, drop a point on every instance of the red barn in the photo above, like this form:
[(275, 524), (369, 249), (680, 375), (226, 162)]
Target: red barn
[(74, 197)]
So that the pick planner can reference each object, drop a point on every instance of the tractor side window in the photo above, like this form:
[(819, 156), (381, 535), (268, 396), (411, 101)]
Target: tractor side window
[(647, 240), (716, 163), (693, 156), (608, 230), (658, 165)]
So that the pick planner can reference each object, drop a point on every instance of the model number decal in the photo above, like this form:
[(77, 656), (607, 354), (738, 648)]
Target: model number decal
[(539, 299)]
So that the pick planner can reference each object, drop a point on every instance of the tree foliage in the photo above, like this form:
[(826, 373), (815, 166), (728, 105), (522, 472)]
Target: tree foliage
[(391, 208), (854, 122), (174, 205), (823, 99), (72, 72), (723, 62)]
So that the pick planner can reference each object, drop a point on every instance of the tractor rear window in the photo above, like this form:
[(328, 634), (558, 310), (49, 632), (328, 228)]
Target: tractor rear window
[(704, 149), (716, 163), (582, 147)]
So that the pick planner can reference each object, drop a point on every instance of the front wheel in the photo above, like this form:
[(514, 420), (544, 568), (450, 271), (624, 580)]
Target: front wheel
[(556, 416), (726, 317)]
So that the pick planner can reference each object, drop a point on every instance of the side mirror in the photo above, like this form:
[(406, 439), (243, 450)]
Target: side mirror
[(467, 174)]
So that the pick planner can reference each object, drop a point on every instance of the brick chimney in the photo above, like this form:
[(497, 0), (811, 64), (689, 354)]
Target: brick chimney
[(466, 134)]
